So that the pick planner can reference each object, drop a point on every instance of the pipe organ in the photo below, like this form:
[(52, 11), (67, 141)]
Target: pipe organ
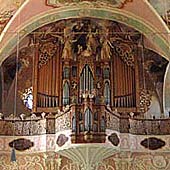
[(87, 67)]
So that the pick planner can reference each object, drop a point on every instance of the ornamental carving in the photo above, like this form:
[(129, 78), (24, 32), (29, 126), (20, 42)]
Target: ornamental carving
[(63, 122), (112, 3), (21, 144), (5, 17), (47, 51), (36, 162), (145, 100), (126, 53)]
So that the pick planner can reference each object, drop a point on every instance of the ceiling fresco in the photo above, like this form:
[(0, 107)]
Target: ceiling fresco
[(8, 8), (162, 8)]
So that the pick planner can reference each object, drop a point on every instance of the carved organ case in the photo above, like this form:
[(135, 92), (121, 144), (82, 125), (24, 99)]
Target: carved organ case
[(87, 65)]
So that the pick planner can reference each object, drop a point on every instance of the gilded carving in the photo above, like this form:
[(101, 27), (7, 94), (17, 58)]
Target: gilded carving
[(145, 100), (47, 51)]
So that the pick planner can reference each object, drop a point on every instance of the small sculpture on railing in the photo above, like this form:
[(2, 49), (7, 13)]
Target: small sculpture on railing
[(43, 114), (22, 116), (1, 116), (131, 114)]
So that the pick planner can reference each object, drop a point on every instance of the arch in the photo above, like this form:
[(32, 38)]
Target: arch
[(114, 14), (160, 43)]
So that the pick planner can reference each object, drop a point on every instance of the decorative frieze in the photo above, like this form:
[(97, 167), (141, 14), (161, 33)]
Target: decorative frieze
[(112, 3)]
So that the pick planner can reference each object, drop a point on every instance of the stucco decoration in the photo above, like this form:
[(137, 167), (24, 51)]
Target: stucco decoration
[(34, 162), (159, 161), (21, 144), (8, 9), (4, 18), (153, 143), (63, 122), (145, 100), (113, 3)]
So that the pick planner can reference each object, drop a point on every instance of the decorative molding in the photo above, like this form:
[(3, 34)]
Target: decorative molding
[(126, 18), (145, 100), (113, 3), (47, 51)]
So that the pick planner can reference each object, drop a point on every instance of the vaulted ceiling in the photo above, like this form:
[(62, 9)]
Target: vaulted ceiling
[(9, 7)]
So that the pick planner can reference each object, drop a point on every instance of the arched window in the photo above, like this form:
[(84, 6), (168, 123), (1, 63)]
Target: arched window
[(66, 94), (88, 119), (86, 79), (107, 93)]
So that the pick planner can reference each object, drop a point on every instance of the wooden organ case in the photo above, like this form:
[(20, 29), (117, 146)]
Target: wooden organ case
[(87, 68)]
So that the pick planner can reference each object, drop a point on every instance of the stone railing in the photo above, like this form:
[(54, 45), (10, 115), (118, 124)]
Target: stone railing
[(127, 124), (51, 124), (149, 126), (35, 125)]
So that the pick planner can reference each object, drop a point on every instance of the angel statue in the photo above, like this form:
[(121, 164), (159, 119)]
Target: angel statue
[(106, 47)]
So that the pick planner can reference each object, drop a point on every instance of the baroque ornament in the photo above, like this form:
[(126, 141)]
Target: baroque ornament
[(47, 51), (145, 100), (112, 3)]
